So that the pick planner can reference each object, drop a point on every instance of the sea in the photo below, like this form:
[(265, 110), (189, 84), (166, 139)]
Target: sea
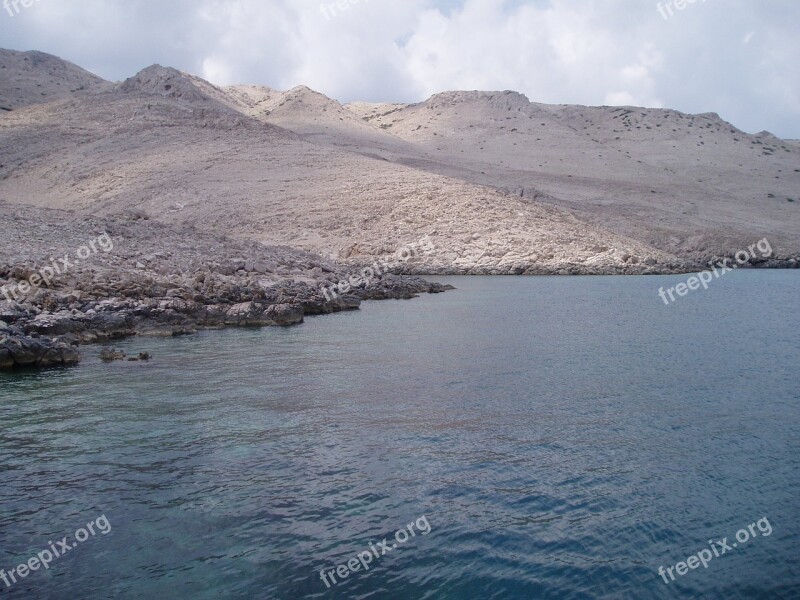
[(515, 438)]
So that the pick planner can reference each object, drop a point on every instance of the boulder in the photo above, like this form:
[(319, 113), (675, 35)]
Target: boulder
[(22, 351), (284, 314), (110, 355)]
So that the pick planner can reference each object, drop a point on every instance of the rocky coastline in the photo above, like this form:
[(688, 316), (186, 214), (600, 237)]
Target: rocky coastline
[(148, 278), (157, 280), (47, 334)]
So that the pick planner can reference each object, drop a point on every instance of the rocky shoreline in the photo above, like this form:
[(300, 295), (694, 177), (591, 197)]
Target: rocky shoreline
[(156, 281), (34, 336), (146, 278)]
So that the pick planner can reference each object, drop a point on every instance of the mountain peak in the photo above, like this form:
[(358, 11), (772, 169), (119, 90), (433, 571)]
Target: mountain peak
[(505, 98), (166, 82), (28, 78)]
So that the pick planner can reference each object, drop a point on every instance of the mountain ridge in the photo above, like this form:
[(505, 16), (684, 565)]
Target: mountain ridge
[(503, 184)]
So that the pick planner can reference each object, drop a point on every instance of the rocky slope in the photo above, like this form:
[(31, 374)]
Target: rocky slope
[(501, 184), (177, 150), (689, 185), (28, 78)]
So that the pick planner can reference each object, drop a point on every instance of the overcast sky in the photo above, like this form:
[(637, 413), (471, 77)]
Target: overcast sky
[(735, 57)]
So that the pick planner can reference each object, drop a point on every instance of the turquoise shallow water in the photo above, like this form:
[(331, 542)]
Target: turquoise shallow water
[(564, 437)]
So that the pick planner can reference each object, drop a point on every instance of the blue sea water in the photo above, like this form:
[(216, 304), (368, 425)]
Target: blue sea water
[(564, 437)]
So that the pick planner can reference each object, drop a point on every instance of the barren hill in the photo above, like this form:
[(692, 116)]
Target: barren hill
[(500, 184), (687, 184), (28, 78)]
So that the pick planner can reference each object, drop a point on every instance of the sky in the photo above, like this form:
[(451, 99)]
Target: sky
[(738, 58)]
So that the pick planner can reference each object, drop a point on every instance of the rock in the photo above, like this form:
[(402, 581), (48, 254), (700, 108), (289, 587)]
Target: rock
[(264, 268), (11, 311), (111, 355), (244, 313), (285, 314), (25, 351), (52, 325), (22, 351), (50, 358), (70, 355)]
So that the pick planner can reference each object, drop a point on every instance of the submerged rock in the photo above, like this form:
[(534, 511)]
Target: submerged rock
[(111, 355)]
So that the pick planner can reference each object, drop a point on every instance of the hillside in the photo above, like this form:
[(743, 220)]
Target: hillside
[(28, 78), (500, 184), (688, 184)]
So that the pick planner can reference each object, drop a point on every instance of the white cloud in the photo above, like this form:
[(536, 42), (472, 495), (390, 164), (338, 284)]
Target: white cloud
[(216, 71)]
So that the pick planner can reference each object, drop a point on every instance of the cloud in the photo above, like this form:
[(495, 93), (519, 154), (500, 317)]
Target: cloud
[(734, 57)]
